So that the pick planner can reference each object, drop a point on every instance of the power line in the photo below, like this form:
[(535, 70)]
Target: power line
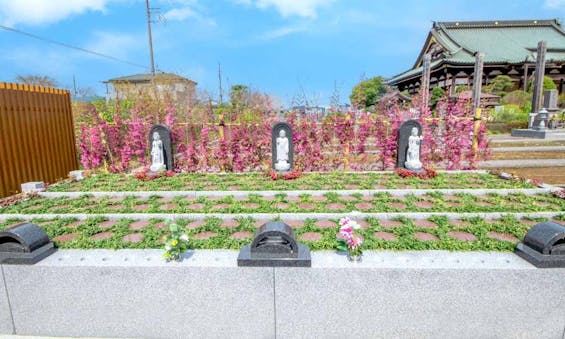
[(72, 47)]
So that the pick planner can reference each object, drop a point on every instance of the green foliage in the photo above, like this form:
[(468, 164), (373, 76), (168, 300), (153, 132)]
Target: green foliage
[(500, 85), (437, 93), (461, 88), (547, 84), (367, 92), (239, 95), (508, 113), (107, 109), (518, 98)]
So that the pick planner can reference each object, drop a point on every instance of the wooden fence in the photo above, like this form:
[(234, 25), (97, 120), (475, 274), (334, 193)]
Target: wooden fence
[(37, 141)]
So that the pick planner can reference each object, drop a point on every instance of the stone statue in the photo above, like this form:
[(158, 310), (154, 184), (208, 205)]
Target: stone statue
[(282, 163), (413, 153), (157, 157)]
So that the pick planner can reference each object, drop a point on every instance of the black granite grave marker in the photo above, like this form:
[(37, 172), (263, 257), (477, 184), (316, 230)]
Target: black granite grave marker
[(24, 244), (165, 134), (275, 134), (544, 245), (404, 133), (275, 245)]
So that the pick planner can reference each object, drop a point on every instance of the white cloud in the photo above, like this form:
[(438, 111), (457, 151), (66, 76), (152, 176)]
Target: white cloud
[(302, 8), (189, 9), (281, 32), (179, 14), (555, 4), (116, 44), (38, 12)]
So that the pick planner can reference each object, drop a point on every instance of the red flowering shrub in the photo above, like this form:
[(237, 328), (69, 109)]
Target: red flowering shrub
[(354, 140), (427, 173)]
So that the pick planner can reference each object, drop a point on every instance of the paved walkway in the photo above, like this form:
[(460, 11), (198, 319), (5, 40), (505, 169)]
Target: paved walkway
[(559, 136), (522, 163), (530, 149)]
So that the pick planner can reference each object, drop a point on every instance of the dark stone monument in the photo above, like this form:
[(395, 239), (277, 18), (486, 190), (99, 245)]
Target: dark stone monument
[(275, 245), (165, 137), (404, 134), (544, 245), (24, 244), (282, 147)]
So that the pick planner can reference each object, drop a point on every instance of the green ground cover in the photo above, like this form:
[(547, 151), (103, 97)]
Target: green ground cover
[(281, 203), (405, 231), (261, 182), (437, 232)]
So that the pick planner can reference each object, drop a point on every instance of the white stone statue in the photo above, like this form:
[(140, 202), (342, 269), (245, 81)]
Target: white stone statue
[(413, 153), (157, 158), (282, 163)]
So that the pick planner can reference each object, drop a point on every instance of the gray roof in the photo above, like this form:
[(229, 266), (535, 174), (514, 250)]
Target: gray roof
[(146, 77)]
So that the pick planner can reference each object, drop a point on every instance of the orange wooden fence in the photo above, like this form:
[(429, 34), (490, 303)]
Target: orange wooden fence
[(37, 141)]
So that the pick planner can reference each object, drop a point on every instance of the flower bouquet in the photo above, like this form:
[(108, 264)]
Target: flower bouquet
[(348, 240), (175, 243)]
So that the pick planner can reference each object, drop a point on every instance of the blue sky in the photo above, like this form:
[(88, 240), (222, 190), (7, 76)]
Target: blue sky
[(282, 47)]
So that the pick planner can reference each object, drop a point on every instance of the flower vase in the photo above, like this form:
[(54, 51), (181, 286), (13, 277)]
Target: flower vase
[(354, 258), (174, 258)]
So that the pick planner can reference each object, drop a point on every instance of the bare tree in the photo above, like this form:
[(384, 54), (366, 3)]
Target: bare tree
[(37, 80)]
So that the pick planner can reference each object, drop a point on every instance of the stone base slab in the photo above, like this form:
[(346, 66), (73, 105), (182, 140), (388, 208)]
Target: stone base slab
[(429, 294)]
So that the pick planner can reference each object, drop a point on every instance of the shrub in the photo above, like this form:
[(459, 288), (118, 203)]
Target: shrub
[(518, 98), (508, 113)]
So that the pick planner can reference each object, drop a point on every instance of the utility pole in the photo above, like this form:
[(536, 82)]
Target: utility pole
[(220, 82), (154, 85), (150, 38)]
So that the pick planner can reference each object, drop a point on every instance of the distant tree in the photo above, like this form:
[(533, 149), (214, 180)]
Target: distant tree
[(367, 92), (518, 97), (547, 84), (37, 80), (500, 85), (461, 88), (239, 95), (437, 93)]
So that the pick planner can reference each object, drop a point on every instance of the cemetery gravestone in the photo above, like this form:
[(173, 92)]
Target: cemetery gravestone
[(409, 146), (160, 141), (275, 245), (282, 147)]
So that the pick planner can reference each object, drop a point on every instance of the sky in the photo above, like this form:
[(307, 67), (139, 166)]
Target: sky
[(286, 48)]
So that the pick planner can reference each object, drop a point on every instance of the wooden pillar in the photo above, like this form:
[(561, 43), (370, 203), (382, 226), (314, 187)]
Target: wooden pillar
[(425, 86), (477, 83), (477, 80), (538, 79), (525, 83)]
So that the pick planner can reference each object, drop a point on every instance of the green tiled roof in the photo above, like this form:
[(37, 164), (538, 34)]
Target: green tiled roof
[(506, 42)]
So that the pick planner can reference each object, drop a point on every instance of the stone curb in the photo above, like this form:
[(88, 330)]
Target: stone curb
[(283, 216), (146, 194), (432, 259)]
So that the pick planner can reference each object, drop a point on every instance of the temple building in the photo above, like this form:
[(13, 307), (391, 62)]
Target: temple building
[(510, 48)]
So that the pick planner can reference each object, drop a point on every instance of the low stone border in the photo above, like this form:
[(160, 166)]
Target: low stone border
[(284, 216), (134, 293), (400, 192)]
